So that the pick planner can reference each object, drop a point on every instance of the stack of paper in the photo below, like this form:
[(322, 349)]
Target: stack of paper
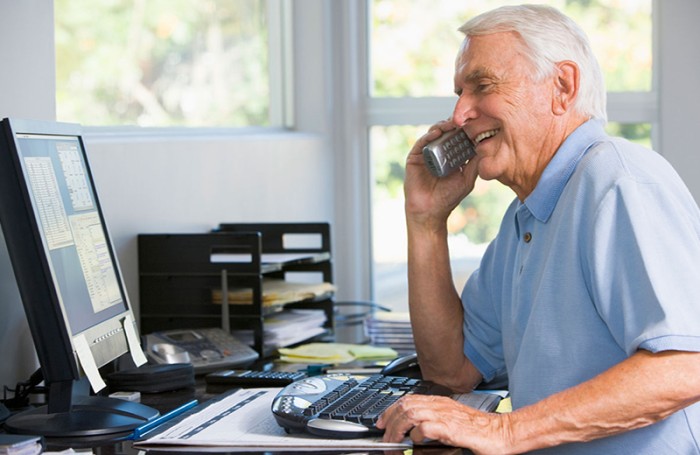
[(276, 292), (15, 444), (287, 327), (391, 329)]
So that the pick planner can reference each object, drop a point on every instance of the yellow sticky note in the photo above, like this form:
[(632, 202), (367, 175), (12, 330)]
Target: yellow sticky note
[(319, 353), (334, 353), (504, 406), (364, 351)]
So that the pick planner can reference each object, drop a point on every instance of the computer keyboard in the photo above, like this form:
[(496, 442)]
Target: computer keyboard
[(348, 406)]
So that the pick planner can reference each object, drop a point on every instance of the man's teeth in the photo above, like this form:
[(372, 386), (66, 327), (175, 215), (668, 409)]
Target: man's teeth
[(485, 135)]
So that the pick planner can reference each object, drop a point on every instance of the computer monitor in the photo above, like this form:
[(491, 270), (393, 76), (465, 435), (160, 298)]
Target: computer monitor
[(68, 277)]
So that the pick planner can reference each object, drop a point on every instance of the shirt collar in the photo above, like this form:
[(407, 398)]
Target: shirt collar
[(543, 199)]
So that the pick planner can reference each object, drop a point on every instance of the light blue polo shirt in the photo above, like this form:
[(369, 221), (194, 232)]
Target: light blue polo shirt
[(602, 259)]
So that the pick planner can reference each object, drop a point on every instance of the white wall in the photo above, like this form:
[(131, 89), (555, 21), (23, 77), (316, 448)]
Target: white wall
[(679, 88), (27, 54), (28, 87), (182, 184)]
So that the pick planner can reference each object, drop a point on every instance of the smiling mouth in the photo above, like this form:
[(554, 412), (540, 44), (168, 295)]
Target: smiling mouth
[(485, 135)]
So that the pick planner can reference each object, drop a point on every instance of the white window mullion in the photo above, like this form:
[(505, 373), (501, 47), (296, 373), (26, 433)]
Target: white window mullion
[(409, 111), (633, 107), (623, 107), (280, 45)]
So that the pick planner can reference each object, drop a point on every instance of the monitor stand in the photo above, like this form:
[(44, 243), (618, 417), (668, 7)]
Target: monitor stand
[(93, 418)]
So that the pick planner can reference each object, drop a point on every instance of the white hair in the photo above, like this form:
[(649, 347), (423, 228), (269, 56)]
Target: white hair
[(551, 37)]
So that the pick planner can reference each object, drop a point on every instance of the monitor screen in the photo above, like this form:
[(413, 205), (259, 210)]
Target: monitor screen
[(71, 229), (67, 274)]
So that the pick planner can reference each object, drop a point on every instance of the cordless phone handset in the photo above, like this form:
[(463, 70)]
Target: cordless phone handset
[(448, 152)]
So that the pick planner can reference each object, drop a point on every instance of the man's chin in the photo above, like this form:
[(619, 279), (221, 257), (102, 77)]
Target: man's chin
[(485, 172)]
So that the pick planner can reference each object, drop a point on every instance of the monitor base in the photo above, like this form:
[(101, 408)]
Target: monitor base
[(93, 417)]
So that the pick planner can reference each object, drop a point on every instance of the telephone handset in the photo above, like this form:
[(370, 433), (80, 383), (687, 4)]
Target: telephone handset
[(207, 349), (448, 152)]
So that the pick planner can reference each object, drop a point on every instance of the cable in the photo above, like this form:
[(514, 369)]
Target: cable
[(22, 391)]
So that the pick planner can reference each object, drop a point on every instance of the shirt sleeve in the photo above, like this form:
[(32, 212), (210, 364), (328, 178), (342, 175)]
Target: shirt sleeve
[(483, 343), (644, 258)]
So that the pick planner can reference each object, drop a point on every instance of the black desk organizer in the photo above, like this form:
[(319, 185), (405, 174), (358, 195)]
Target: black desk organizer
[(177, 275)]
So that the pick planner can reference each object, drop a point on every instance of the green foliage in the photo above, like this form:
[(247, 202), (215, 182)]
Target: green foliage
[(479, 215), (162, 62), (635, 132), (413, 45)]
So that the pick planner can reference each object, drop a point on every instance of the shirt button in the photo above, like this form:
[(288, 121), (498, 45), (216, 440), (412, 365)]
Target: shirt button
[(527, 237)]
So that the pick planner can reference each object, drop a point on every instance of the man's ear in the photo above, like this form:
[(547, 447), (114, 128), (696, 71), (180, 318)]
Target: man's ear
[(566, 83)]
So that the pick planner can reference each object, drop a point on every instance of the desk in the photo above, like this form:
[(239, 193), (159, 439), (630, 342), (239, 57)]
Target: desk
[(169, 400), (126, 449)]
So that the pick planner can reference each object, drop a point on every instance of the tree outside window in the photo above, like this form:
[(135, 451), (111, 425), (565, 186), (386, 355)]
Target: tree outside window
[(162, 62)]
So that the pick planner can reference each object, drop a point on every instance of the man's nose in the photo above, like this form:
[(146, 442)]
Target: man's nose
[(465, 109)]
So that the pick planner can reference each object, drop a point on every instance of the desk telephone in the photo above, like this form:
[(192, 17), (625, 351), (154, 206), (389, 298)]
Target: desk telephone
[(206, 349)]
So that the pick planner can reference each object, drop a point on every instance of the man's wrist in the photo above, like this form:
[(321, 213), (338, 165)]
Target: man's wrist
[(511, 434), (420, 225)]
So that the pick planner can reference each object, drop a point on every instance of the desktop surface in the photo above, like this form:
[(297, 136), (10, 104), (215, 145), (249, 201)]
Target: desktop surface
[(166, 401)]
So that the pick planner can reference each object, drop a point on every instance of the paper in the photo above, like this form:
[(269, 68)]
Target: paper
[(244, 419), (368, 352), (268, 258), (391, 329), (87, 362), (275, 292), (334, 353), (505, 406), (132, 339), (18, 444), (287, 327)]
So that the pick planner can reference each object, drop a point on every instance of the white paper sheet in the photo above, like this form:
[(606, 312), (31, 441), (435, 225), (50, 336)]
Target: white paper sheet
[(87, 361), (244, 419), (132, 339)]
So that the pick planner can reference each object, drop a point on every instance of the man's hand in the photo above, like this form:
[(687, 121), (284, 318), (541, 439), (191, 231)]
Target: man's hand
[(429, 198), (436, 418), (639, 391)]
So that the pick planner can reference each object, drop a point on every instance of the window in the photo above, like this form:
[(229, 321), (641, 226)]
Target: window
[(412, 46), (167, 62)]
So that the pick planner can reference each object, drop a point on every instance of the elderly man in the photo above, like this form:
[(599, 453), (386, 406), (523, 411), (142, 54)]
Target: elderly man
[(588, 300)]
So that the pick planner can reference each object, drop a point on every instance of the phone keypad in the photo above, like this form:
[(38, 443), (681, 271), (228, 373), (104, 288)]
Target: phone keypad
[(457, 150), (228, 345), (448, 152)]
